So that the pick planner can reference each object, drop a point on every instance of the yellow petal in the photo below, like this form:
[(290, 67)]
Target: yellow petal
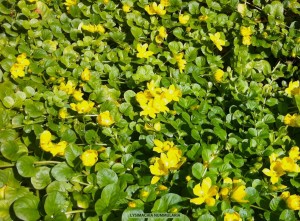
[(197, 201)]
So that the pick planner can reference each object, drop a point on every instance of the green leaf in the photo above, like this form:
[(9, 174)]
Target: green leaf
[(34, 109), (136, 32), (12, 150), (191, 54), (72, 154), (62, 172), (166, 202), (236, 160), (274, 203), (25, 166), (55, 202), (198, 170), (111, 197), (194, 8), (206, 217), (106, 176), (69, 136), (221, 133), (287, 215), (143, 73), (42, 178), (26, 208), (8, 102)]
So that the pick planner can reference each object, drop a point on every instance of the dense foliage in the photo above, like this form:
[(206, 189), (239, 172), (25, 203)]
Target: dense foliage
[(112, 108)]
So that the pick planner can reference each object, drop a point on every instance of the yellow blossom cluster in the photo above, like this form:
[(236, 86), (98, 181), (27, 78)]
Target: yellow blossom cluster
[(155, 100), (18, 68), (279, 166), (183, 19), (47, 145), (83, 106), (170, 159), (292, 120), (217, 41), (70, 3), (70, 89), (94, 28), (246, 33), (180, 61), (233, 190), (232, 217), (159, 9), (218, 76), (292, 201), (142, 51), (105, 119), (293, 88), (205, 193), (162, 34), (89, 158)]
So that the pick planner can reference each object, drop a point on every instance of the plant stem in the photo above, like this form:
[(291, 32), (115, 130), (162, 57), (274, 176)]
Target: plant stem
[(257, 207), (76, 211), (7, 165), (46, 162)]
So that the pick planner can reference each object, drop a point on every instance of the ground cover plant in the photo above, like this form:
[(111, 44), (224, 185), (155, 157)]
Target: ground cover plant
[(112, 108)]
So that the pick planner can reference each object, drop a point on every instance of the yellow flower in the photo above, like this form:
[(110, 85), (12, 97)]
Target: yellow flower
[(217, 41), (157, 126), (105, 119), (158, 168), (31, 1), (247, 40), (205, 193), (289, 165), (203, 17), (285, 195), (17, 70), (275, 171), (45, 139), (153, 9), (78, 95), (188, 178), (144, 194), (89, 158), (171, 94), (150, 10), (143, 97), (159, 104), (161, 147), (69, 3), (69, 88), (180, 61), (149, 110), (162, 187), (155, 179), (132, 204), (86, 75), (22, 60), (232, 217), (238, 194), (165, 3), (82, 107), (293, 202), (105, 2), (172, 159), (292, 89), (100, 29), (142, 51), (245, 31), (126, 8), (89, 28), (183, 19), (219, 75), (159, 9), (162, 34), (294, 153), (58, 149), (292, 120), (153, 89), (63, 113)]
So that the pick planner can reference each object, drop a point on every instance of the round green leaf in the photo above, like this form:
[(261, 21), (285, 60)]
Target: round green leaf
[(25, 166), (198, 170), (42, 178), (55, 203), (26, 208), (12, 150), (106, 176), (62, 172)]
